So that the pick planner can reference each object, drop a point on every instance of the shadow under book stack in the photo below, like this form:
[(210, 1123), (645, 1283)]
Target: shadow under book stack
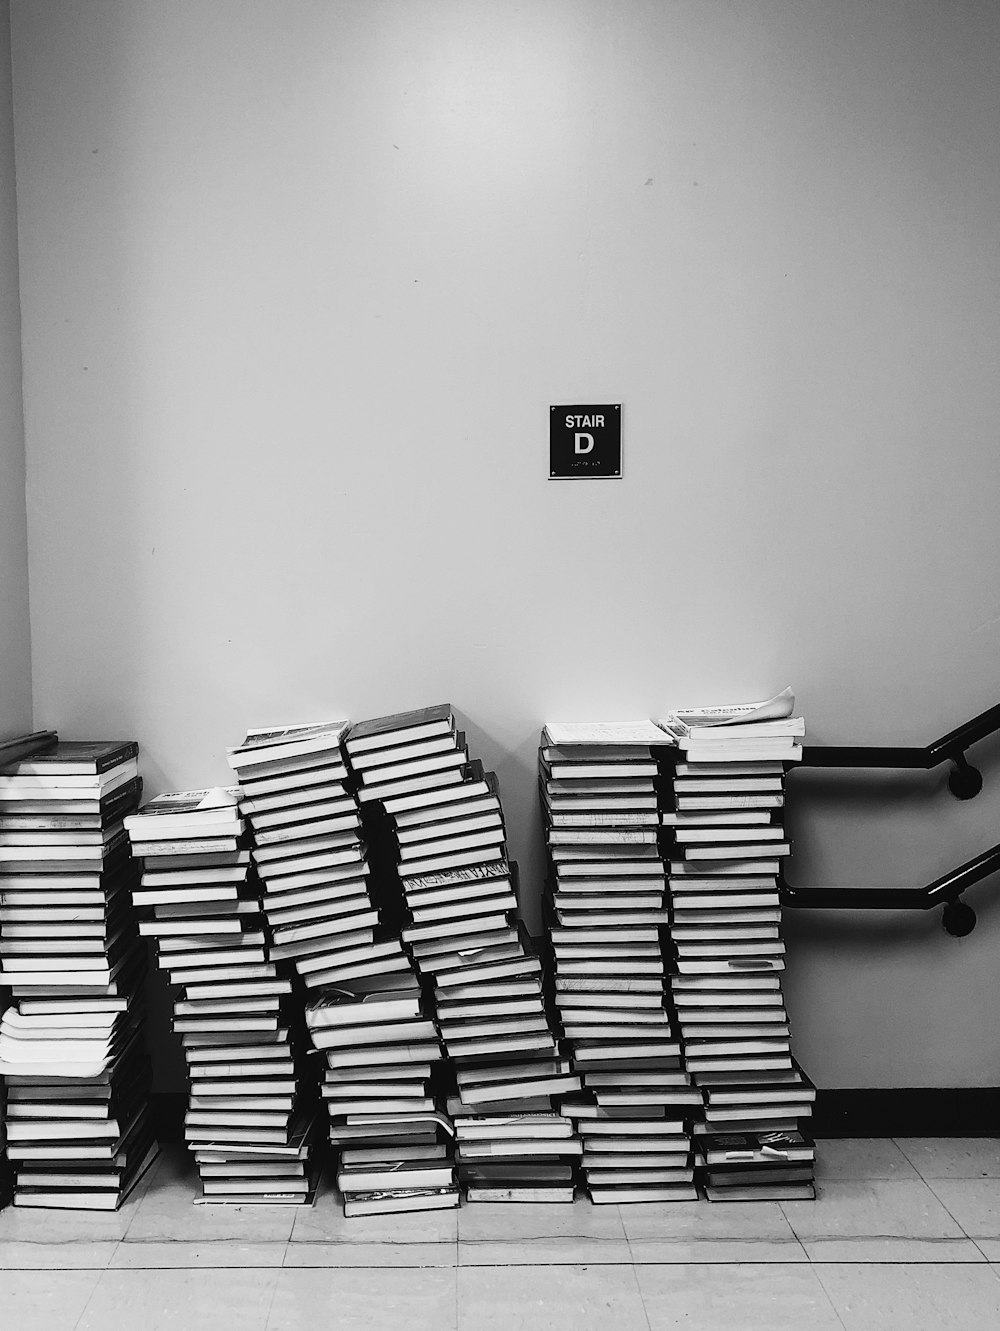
[(726, 823), (71, 1046), (436, 826), (607, 916), (251, 1113), (365, 1012)]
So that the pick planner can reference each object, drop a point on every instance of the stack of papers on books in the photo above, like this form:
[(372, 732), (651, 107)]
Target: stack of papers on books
[(250, 1110), (607, 915), (436, 825), (71, 1048), (728, 846)]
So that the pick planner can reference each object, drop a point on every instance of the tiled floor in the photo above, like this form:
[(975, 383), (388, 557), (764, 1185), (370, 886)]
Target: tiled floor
[(904, 1234)]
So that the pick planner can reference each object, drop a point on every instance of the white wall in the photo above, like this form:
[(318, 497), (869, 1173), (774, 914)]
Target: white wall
[(15, 653), (300, 281)]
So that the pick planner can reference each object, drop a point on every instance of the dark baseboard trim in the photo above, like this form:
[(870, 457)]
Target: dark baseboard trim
[(929, 1112), (968, 1111)]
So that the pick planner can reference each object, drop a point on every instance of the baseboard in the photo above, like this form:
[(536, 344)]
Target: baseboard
[(968, 1111), (972, 1111)]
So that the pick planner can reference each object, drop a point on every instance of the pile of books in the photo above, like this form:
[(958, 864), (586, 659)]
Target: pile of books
[(383, 1053), (251, 1113), (364, 1012), (435, 826), (309, 854), (608, 920), (71, 1045), (726, 825)]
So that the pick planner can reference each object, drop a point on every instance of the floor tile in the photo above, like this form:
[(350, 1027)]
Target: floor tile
[(176, 1255), (167, 1212), (953, 1157), (862, 1157), (185, 1300), (889, 1208), (658, 1252), (364, 1300), (30, 1225), (520, 1221), (908, 1298), (973, 1202), (707, 1221), (46, 1300), (326, 1223), (569, 1298), (41, 1256), (544, 1252), (371, 1254), (744, 1298), (878, 1221)]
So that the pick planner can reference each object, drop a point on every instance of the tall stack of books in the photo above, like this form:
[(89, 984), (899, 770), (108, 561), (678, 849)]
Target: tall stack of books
[(250, 1112), (726, 825), (608, 917), (365, 1013), (436, 822), (71, 1045)]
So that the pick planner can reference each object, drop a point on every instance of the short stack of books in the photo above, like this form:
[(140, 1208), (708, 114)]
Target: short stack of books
[(71, 1045), (608, 920), (251, 1110), (383, 1052), (437, 822), (728, 795)]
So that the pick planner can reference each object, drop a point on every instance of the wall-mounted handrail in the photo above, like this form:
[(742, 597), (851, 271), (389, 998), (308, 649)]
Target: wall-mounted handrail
[(964, 781), (958, 917)]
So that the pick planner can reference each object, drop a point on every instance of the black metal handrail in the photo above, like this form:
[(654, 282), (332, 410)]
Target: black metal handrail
[(964, 782), (958, 919)]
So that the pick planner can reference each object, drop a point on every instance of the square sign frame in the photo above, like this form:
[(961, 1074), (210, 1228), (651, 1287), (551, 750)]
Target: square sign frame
[(585, 442)]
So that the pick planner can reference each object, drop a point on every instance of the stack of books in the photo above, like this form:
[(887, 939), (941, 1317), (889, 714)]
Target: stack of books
[(250, 1112), (608, 922), (365, 1012), (309, 854), (728, 845), (71, 1045), (383, 1054), (436, 823)]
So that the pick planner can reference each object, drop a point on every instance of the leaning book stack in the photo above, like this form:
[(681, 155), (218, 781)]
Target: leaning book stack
[(309, 854), (71, 1045), (725, 822), (608, 922), (437, 822), (364, 1013), (251, 1114)]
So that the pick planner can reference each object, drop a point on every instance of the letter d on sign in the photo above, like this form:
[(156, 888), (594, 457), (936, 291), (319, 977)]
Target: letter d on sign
[(579, 446)]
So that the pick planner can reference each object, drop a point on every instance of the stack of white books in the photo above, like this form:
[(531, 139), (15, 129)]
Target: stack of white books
[(71, 1046), (436, 825), (608, 921), (251, 1107), (728, 846)]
